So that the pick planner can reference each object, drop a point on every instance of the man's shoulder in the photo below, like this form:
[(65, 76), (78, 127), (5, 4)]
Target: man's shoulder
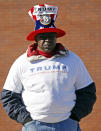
[(22, 57), (20, 60), (73, 55)]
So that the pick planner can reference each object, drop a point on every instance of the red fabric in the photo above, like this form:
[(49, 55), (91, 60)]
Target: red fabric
[(31, 36), (34, 17), (32, 50), (52, 16), (32, 10), (41, 5), (48, 55)]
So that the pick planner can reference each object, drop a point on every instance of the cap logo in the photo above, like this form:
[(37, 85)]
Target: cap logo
[(45, 19)]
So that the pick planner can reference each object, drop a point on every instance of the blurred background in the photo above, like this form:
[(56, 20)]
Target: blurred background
[(81, 19)]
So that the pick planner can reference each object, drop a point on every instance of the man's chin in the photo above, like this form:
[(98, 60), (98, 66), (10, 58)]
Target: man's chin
[(48, 50)]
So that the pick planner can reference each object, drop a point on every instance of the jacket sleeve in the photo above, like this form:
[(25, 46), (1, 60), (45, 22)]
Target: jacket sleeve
[(85, 99), (13, 104), (11, 95)]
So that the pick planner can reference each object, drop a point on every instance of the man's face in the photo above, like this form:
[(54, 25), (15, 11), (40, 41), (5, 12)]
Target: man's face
[(46, 41)]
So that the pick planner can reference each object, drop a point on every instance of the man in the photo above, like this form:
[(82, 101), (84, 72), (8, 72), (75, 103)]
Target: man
[(48, 88)]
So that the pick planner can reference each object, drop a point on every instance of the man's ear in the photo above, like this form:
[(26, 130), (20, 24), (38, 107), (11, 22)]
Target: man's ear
[(36, 39)]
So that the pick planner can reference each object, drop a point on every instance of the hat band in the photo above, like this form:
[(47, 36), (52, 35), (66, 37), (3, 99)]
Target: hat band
[(41, 26)]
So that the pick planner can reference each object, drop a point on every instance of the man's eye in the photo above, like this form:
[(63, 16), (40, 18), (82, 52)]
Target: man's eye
[(41, 37)]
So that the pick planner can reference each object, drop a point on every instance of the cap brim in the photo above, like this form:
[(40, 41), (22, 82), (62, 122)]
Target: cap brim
[(31, 36)]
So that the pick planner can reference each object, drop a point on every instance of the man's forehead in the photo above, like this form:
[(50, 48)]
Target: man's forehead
[(47, 34)]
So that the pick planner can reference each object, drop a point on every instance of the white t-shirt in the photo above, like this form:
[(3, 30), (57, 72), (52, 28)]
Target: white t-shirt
[(48, 86)]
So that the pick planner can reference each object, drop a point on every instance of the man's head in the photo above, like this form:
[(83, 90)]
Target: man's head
[(44, 16), (46, 41)]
